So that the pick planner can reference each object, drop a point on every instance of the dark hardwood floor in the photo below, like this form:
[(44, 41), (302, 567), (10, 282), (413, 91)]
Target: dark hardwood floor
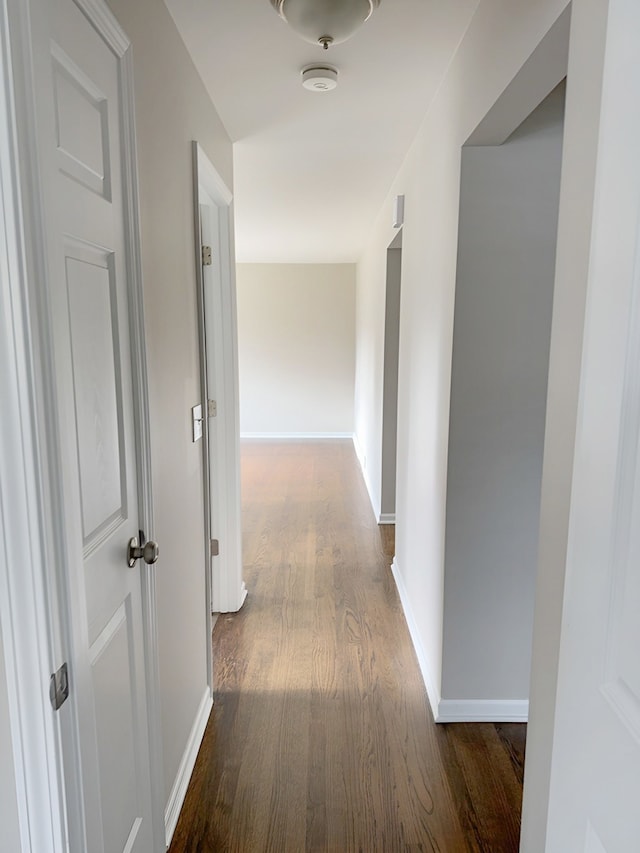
[(321, 737)]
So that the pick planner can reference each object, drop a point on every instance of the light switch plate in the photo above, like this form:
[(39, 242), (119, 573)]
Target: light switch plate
[(196, 422)]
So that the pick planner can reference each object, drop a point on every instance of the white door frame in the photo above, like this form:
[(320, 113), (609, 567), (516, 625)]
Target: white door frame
[(596, 137), (226, 590), (35, 604), (29, 652)]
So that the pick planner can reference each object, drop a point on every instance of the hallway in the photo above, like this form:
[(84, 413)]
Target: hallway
[(321, 737)]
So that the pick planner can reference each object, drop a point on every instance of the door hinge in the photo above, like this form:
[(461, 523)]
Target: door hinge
[(215, 548), (212, 408), (59, 687), (206, 256)]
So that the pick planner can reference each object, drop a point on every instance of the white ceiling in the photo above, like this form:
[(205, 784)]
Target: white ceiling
[(313, 169)]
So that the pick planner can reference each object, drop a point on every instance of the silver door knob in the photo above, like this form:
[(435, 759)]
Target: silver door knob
[(148, 551)]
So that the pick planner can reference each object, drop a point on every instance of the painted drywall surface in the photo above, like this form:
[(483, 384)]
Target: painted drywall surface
[(499, 40), (8, 802), (369, 375), (577, 199), (502, 326), (173, 108), (296, 332), (390, 383)]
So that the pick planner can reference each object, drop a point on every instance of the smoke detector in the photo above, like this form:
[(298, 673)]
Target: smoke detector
[(320, 78)]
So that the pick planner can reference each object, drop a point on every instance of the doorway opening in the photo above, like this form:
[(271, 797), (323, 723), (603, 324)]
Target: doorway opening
[(217, 323), (509, 197), (390, 381)]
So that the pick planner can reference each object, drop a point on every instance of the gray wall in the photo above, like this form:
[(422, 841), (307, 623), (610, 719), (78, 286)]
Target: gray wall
[(9, 829), (502, 325), (390, 381)]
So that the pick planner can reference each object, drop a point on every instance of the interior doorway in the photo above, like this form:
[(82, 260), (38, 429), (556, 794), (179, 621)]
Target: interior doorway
[(219, 388), (390, 381), (509, 199)]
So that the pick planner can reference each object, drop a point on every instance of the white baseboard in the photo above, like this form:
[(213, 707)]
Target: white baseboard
[(433, 692), (359, 452), (387, 518), (483, 711), (293, 436), (179, 790), (456, 710), (241, 600), (365, 476)]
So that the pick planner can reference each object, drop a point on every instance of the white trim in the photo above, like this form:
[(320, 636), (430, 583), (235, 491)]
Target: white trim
[(483, 711), (433, 693), (455, 710), (226, 591), (242, 594), (35, 597), (359, 450), (187, 763), (25, 621), (103, 20), (387, 518), (375, 504), (294, 436), (109, 28)]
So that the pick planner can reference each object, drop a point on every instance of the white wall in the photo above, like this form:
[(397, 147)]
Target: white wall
[(173, 108), (371, 282), (8, 802), (502, 326), (296, 332), (577, 199), (499, 40)]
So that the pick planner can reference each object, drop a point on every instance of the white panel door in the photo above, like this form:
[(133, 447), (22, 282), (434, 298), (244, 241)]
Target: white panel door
[(81, 142), (595, 784)]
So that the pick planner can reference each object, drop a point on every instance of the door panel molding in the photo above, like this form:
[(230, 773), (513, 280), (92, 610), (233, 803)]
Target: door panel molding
[(35, 597), (35, 632)]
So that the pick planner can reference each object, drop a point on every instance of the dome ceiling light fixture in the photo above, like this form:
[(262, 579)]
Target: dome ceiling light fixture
[(325, 22)]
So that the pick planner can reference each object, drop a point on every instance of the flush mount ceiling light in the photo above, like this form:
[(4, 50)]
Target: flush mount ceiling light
[(320, 78), (325, 22)]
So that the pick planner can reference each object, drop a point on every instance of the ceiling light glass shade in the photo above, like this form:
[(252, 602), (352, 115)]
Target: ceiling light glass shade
[(325, 22)]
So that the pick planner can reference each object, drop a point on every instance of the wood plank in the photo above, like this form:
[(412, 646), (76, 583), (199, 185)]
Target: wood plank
[(321, 737)]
